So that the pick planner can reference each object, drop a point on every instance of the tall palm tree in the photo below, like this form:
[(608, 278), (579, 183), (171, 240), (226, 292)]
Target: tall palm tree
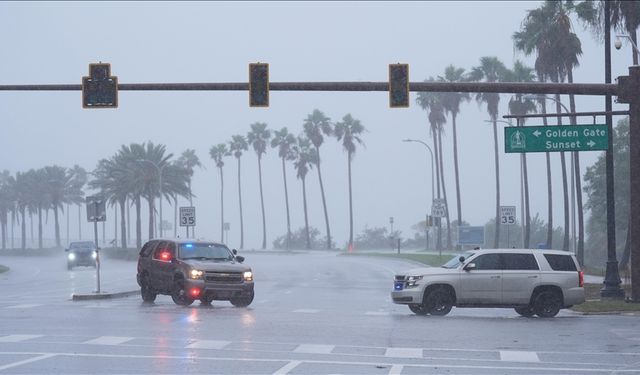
[(189, 160), (285, 141), (237, 146), (218, 153), (7, 202), (304, 159), (259, 137), (492, 70), (80, 180), (433, 103), (316, 126), (23, 199), (61, 189), (519, 105), (348, 131), (451, 102)]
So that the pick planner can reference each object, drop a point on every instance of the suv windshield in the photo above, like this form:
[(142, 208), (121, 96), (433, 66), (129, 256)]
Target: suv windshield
[(82, 245), (205, 251), (455, 261)]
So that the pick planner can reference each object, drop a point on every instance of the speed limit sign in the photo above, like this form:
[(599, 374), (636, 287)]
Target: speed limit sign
[(507, 215), (187, 216)]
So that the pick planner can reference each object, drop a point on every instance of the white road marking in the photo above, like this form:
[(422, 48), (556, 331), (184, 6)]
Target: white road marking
[(208, 344), (513, 356), (396, 370), (403, 352), (377, 313), (18, 338), (24, 306), (314, 349), (306, 311), (284, 370), (30, 360), (109, 340)]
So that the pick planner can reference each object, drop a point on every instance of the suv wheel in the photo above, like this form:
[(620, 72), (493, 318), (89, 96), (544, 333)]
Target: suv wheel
[(525, 311), (242, 300), (206, 300), (439, 302), (418, 309), (547, 304), (145, 290), (179, 295)]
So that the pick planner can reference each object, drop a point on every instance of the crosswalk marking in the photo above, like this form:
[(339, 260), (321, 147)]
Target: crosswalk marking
[(284, 370), (314, 349), (18, 338), (109, 340), (24, 306), (396, 370), (208, 344), (403, 352), (306, 311), (515, 356)]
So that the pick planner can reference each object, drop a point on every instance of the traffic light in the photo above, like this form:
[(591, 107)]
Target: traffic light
[(399, 85), (258, 85), (99, 89)]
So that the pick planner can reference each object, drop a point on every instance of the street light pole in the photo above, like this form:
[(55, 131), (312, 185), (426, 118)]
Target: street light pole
[(432, 181)]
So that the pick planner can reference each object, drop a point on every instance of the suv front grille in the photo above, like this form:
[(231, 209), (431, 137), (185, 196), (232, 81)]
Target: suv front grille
[(224, 277), (399, 277)]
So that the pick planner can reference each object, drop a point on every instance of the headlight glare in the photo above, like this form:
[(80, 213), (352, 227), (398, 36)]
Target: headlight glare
[(196, 274), (71, 256), (413, 281), (94, 254), (248, 276)]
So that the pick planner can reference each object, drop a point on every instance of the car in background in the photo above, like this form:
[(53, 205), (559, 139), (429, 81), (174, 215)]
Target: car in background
[(190, 270), (533, 282), (81, 253)]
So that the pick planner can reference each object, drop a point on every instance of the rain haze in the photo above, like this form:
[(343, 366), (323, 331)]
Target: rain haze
[(154, 42)]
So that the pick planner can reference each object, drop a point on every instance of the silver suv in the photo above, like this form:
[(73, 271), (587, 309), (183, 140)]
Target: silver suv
[(534, 282)]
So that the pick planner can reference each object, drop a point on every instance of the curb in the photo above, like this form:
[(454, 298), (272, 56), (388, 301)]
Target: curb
[(92, 296)]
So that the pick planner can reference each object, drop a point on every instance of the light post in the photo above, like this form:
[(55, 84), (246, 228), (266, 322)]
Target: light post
[(159, 170), (432, 182), (618, 43)]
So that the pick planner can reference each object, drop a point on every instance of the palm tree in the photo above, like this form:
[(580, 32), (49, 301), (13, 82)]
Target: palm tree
[(7, 202), (237, 145), (304, 159), (433, 103), (285, 141), (23, 199), (492, 70), (348, 131), (451, 102), (258, 137), (217, 153), (61, 188), (189, 160), (80, 179), (316, 126), (519, 105)]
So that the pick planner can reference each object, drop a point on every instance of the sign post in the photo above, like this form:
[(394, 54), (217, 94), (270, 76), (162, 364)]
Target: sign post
[(555, 138), (187, 217), (96, 211)]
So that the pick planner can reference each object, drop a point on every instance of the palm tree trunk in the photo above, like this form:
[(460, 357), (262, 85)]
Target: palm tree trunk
[(240, 204), (57, 225), (565, 189), (350, 205), (527, 213), (32, 243), (67, 215), (13, 222), (545, 122), (306, 215), (455, 162), (286, 201), (264, 220), (324, 201), (79, 222), (39, 227), (578, 178), (221, 206), (437, 157), (115, 225), (24, 229), (175, 215), (496, 242), (3, 225), (128, 220), (193, 228), (123, 224), (138, 222), (151, 218), (444, 190)]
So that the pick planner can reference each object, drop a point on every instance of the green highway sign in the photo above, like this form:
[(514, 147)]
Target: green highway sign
[(555, 138)]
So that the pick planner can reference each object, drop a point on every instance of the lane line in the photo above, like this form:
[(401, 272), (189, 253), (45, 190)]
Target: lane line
[(403, 352), (109, 340), (396, 370), (26, 361), (284, 370), (18, 338), (314, 349), (515, 356), (208, 344), (24, 306), (306, 311)]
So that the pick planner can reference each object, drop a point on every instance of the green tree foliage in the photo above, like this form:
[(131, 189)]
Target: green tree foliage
[(299, 240)]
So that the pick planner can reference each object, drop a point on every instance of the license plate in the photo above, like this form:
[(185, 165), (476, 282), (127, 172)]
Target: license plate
[(398, 285)]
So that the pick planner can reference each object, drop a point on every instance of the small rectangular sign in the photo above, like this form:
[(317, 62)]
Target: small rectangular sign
[(507, 215), (471, 236), (556, 138), (187, 216)]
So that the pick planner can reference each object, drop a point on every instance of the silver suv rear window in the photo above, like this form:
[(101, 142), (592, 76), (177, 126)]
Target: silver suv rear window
[(561, 262)]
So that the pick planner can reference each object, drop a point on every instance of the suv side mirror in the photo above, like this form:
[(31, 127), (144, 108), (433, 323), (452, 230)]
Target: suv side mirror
[(240, 258), (461, 259), (470, 266), (235, 251), (66, 249)]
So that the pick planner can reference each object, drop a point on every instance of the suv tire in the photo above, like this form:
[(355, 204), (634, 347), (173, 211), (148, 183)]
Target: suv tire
[(439, 302), (547, 304), (526, 311), (242, 300), (179, 295), (418, 309), (146, 292)]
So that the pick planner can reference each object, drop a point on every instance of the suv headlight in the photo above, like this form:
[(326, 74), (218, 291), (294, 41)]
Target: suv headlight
[(94, 254), (71, 256), (413, 281), (248, 276), (196, 274)]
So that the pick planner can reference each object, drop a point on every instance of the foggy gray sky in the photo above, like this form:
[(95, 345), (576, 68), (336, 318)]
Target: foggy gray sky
[(54, 42)]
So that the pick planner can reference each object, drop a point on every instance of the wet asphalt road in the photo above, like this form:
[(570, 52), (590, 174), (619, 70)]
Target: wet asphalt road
[(314, 313)]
